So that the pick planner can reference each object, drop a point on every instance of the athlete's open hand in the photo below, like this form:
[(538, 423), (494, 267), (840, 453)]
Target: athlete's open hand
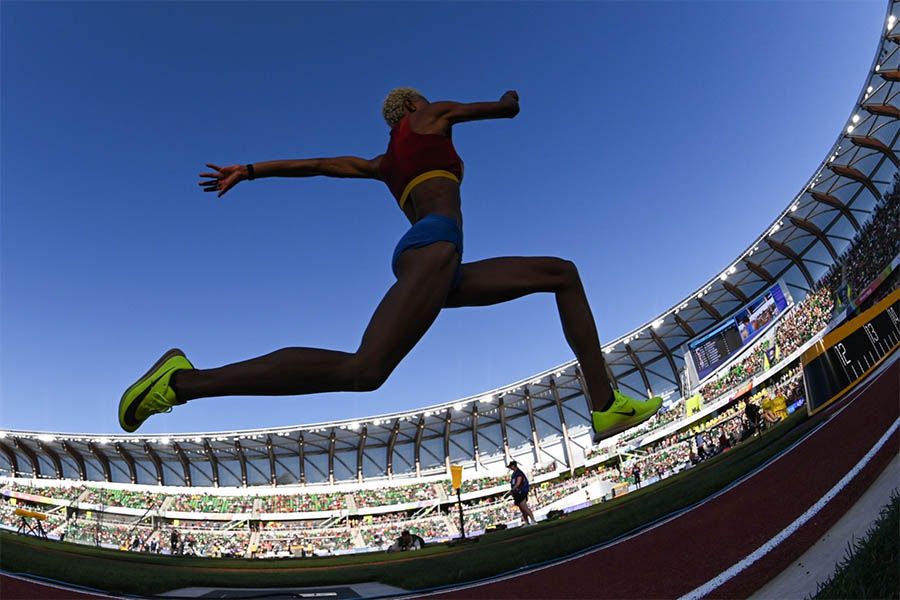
[(223, 179)]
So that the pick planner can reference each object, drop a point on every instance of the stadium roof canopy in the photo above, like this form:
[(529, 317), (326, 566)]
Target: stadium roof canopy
[(545, 416)]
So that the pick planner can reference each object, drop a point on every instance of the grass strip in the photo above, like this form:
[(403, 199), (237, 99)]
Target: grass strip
[(871, 566), (137, 573)]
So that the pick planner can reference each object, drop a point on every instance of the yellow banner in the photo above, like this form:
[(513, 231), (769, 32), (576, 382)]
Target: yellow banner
[(693, 403), (456, 476)]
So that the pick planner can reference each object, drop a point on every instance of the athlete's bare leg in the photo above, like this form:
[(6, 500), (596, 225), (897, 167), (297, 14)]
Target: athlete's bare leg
[(526, 511), (424, 278), (497, 280)]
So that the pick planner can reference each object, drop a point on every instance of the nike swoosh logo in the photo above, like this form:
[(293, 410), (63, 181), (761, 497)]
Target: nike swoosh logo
[(131, 412), (627, 414)]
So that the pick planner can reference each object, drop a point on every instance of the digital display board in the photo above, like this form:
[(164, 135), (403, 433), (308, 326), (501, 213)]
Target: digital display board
[(850, 352), (712, 349)]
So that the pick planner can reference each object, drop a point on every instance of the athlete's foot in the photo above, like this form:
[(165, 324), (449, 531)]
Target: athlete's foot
[(625, 413), (152, 393)]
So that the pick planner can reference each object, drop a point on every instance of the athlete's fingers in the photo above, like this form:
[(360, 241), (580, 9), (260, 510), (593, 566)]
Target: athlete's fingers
[(211, 175), (212, 166)]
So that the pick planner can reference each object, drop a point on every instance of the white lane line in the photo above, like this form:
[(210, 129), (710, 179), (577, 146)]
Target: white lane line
[(785, 533)]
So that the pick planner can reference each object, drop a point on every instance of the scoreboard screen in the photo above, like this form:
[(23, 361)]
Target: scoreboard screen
[(850, 352), (712, 349)]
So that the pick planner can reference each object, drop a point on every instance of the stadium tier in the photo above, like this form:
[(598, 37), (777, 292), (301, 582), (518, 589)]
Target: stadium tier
[(724, 359)]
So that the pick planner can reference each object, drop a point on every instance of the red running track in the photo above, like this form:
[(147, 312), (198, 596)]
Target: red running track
[(681, 555), (14, 588)]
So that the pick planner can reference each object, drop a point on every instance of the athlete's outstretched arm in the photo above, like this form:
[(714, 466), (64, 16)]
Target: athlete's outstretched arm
[(459, 112), (226, 178)]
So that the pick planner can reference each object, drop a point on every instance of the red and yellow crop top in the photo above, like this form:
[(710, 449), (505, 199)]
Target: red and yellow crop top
[(412, 158)]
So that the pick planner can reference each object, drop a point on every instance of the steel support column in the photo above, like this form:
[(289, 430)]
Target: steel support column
[(392, 439), (242, 460), (213, 464), (79, 460), (54, 458), (877, 145), (710, 309), (795, 258), (475, 456), (567, 443), (829, 200), (154, 458), (640, 367), (811, 227), (447, 420), (360, 448), (270, 450), (534, 435), (12, 458), (103, 459), (32, 457), (501, 409), (301, 451), (759, 271), (332, 440), (668, 354), (129, 460), (186, 463), (734, 291), (420, 428), (684, 326), (882, 110)]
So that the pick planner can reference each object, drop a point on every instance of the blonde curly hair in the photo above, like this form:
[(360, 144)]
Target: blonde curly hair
[(394, 106)]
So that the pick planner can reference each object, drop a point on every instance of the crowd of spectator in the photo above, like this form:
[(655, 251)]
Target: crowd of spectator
[(286, 503), (476, 485), (287, 542), (212, 503), (380, 534), (484, 515), (388, 496), (665, 416), (70, 493), (738, 373), (124, 498), (872, 249), (807, 319), (543, 469)]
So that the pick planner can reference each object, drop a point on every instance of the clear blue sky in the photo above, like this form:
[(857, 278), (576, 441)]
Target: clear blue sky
[(655, 141)]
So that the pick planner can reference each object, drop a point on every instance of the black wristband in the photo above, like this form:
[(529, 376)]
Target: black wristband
[(251, 175)]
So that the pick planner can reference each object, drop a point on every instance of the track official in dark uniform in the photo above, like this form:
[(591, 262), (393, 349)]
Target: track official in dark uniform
[(520, 486)]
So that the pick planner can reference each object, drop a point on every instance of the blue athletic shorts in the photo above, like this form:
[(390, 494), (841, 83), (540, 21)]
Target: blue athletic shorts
[(428, 230)]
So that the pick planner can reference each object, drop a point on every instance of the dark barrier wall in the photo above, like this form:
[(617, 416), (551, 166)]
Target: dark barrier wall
[(851, 352)]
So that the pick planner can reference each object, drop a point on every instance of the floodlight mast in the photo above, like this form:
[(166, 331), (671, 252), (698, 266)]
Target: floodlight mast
[(462, 527)]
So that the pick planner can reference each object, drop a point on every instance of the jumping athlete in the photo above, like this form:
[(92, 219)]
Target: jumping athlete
[(423, 172)]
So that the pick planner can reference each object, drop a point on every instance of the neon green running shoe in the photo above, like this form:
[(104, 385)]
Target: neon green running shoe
[(625, 413), (152, 394)]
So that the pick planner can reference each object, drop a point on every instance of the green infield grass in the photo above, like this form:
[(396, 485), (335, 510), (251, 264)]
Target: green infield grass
[(871, 566)]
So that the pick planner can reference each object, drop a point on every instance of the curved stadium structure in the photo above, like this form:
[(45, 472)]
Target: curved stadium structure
[(844, 216)]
